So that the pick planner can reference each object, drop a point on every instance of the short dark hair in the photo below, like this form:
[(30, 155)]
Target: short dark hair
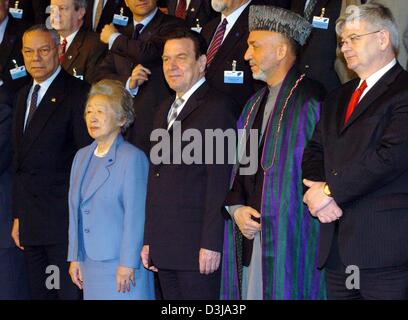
[(200, 45)]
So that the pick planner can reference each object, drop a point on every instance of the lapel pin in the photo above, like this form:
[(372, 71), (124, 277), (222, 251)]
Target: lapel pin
[(192, 10), (69, 57), (53, 99)]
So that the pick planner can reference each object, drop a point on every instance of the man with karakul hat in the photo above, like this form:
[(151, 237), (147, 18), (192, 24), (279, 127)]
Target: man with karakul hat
[(270, 243)]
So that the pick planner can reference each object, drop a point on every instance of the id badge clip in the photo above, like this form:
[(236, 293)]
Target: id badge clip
[(17, 72), (321, 22), (120, 19), (234, 76), (15, 12), (197, 28), (81, 77)]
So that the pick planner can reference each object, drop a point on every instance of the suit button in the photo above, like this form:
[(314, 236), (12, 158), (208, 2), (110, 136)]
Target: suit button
[(307, 66), (86, 230), (334, 172)]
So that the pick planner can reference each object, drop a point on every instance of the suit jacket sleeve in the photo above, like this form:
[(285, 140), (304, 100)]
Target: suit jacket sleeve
[(218, 176), (313, 157), (106, 69), (134, 198), (5, 137), (144, 52), (381, 163)]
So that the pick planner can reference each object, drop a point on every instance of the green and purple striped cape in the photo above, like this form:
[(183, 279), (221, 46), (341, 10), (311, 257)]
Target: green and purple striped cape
[(289, 237)]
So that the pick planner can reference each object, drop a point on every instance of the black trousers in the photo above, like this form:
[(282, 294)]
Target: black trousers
[(373, 284), (48, 276), (189, 285), (13, 276)]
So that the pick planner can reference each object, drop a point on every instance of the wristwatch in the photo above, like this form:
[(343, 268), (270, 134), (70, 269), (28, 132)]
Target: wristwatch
[(326, 190)]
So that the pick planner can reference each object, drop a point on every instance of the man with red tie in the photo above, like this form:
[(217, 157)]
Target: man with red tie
[(356, 165)]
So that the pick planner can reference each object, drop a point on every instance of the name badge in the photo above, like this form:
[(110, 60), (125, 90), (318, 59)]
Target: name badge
[(120, 20), (196, 29), (18, 72), (16, 13), (235, 77), (320, 22)]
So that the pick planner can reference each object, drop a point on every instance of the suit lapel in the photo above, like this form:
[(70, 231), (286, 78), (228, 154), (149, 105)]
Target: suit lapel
[(74, 50), (20, 110), (235, 35), (8, 43), (53, 98), (192, 103), (153, 25), (99, 179), (375, 92)]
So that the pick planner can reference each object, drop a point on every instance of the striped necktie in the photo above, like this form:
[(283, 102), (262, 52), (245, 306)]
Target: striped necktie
[(174, 111), (309, 9), (216, 41)]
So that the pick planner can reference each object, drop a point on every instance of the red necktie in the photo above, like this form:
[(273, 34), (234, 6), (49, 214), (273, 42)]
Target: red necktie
[(181, 9), (63, 47), (216, 41), (355, 98)]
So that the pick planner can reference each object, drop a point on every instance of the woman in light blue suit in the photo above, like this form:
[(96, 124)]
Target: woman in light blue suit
[(107, 203)]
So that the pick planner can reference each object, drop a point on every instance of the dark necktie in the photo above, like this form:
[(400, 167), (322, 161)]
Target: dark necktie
[(33, 104), (63, 50), (181, 9), (309, 9), (355, 98), (136, 33), (216, 41)]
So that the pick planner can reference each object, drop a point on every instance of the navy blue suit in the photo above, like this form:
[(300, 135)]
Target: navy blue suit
[(12, 273)]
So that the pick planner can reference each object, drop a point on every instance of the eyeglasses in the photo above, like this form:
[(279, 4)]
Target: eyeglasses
[(352, 39), (43, 52)]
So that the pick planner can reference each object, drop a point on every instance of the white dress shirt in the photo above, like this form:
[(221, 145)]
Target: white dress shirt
[(232, 18), (185, 97), (373, 79), (3, 26), (44, 87), (70, 38)]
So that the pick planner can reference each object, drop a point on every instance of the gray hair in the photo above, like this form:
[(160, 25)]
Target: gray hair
[(43, 28), (119, 98), (376, 15)]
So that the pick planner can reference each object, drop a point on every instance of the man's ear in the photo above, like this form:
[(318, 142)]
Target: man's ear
[(82, 12), (203, 62), (282, 51), (384, 39)]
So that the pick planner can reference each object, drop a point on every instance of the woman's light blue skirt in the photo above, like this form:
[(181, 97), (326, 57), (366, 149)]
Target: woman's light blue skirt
[(100, 281)]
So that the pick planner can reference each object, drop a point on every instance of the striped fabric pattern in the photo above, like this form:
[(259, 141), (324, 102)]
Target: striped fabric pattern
[(290, 235)]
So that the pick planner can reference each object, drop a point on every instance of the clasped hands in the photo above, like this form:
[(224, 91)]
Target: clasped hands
[(320, 205)]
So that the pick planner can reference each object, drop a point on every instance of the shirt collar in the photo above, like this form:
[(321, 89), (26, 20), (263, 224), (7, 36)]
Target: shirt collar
[(189, 93), (3, 27), (69, 38), (146, 20), (45, 84), (373, 79), (233, 17)]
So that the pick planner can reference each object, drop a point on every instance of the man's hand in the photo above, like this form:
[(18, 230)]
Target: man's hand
[(209, 261), (248, 227), (144, 254), (15, 233), (329, 213), (315, 198), (75, 273), (139, 75), (107, 31), (124, 276)]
